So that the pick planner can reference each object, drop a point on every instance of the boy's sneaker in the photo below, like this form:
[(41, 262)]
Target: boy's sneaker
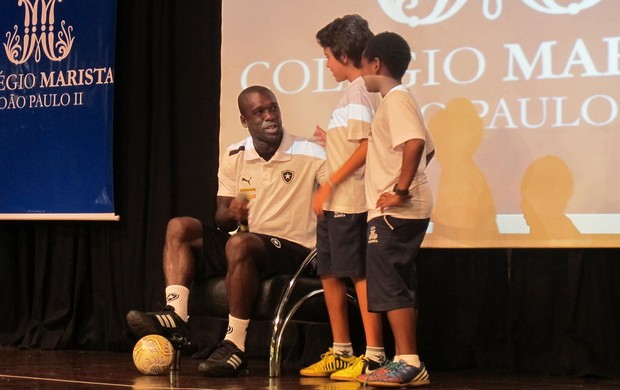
[(166, 323), (328, 364), (421, 377), (226, 361), (397, 374), (356, 368), (369, 370)]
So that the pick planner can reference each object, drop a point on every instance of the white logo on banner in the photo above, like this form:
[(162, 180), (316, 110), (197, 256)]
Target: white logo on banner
[(39, 34), (43, 36), (552, 7), (491, 9)]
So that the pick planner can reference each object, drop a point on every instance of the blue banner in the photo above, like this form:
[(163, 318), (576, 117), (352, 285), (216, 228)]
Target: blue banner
[(56, 109)]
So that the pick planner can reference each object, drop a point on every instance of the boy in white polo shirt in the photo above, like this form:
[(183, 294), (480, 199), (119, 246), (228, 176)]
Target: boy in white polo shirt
[(341, 205), (399, 205)]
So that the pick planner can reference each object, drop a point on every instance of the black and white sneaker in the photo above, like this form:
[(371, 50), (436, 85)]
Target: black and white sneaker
[(226, 361), (166, 323)]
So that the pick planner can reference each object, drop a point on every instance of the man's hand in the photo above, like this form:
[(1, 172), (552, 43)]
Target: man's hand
[(238, 209), (319, 136)]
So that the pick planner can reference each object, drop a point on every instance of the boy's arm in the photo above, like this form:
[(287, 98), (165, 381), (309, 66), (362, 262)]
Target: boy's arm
[(412, 153), (353, 163), (356, 160)]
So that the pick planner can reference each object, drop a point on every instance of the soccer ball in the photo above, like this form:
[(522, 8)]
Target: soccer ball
[(153, 355)]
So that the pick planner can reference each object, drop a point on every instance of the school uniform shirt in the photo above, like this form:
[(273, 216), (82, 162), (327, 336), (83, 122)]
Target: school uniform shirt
[(279, 190), (348, 125), (397, 120)]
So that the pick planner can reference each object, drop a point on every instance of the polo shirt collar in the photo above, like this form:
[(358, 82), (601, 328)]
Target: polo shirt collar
[(282, 154)]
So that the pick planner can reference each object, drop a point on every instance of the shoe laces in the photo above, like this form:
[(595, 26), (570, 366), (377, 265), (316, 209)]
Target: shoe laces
[(224, 350), (395, 366), (328, 354), (388, 369), (361, 358)]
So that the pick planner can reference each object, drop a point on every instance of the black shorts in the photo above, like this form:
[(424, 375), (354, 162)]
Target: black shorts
[(341, 244), (391, 262), (282, 256)]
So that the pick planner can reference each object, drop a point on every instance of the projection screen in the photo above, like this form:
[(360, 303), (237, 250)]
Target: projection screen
[(521, 98)]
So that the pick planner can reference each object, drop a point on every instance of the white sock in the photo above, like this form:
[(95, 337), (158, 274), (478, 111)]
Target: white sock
[(412, 360), (237, 330), (177, 296), (343, 349), (376, 354)]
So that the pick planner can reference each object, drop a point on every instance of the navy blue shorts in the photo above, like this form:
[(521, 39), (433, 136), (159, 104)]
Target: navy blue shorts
[(341, 244), (391, 262), (282, 256)]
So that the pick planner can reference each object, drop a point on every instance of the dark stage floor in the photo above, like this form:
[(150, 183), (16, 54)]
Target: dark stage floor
[(37, 369)]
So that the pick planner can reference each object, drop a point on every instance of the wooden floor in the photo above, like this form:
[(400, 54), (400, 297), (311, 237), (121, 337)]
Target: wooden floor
[(37, 369)]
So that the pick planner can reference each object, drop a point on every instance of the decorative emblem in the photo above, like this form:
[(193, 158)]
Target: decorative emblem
[(408, 11), (399, 12), (552, 7), (373, 237), (39, 34), (276, 242), (288, 176)]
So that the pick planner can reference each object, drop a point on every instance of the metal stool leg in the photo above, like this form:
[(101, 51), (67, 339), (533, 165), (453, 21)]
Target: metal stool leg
[(278, 324)]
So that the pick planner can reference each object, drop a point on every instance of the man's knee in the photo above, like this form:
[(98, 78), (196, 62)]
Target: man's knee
[(242, 247), (183, 230)]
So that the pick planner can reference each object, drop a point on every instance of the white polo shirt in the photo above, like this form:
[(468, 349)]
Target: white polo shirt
[(279, 190), (397, 120), (348, 125)]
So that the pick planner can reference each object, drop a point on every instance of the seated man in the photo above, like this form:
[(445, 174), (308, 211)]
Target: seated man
[(265, 186)]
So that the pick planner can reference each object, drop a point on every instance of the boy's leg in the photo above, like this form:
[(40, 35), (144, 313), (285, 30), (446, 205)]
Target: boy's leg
[(393, 245), (404, 327), (391, 265), (374, 357), (340, 244), (341, 258), (373, 328), (335, 291)]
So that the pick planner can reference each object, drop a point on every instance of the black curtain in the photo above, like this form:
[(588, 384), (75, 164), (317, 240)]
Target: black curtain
[(69, 284), (554, 311)]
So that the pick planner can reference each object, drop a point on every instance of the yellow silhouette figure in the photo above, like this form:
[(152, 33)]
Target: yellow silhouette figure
[(464, 206), (546, 189)]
